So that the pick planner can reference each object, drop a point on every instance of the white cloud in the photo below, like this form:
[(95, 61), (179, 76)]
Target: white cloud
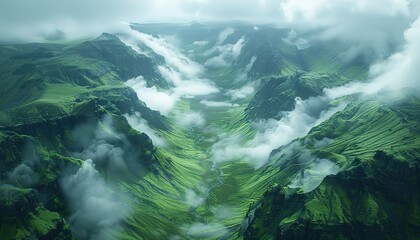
[(310, 178), (276, 133), (241, 93), (399, 71), (174, 58), (96, 211), (141, 125), (218, 104), (154, 99), (191, 119), (193, 199), (225, 54), (22, 176), (293, 39), (206, 230), (368, 24), (181, 72), (201, 43)]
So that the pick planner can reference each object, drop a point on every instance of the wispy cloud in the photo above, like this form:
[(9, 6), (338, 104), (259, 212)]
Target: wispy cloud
[(371, 26), (183, 74), (208, 103), (273, 134), (97, 211), (225, 54), (191, 119), (157, 100), (140, 124)]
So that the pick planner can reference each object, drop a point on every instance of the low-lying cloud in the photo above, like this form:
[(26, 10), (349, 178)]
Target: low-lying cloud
[(208, 103), (191, 119), (273, 134), (294, 40), (154, 99), (241, 93), (141, 125), (110, 151), (371, 26), (183, 74), (395, 73), (97, 211), (311, 177), (23, 176), (26, 173), (225, 54)]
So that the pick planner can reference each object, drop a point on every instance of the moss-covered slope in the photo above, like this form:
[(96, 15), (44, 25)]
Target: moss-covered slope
[(375, 195)]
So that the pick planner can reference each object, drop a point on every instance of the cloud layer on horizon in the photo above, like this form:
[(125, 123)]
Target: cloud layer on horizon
[(364, 21)]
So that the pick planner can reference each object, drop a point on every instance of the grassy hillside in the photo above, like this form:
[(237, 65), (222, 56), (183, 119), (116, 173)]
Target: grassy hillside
[(73, 165), (375, 193)]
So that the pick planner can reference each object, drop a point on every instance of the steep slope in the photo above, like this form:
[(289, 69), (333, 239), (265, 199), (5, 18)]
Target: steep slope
[(76, 162), (279, 94), (48, 94), (374, 195)]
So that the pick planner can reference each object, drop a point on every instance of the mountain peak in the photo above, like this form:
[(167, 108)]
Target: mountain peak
[(107, 36)]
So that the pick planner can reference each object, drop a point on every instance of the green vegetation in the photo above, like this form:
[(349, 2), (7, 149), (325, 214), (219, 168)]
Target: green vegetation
[(61, 101), (375, 189)]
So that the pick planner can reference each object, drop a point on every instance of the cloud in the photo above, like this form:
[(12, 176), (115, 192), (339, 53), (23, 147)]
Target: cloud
[(183, 74), (191, 119), (242, 76), (22, 176), (206, 230), (225, 54), (218, 104), (401, 69), (241, 93), (25, 174), (141, 125), (293, 39), (201, 43), (395, 73), (323, 143), (173, 57), (223, 212), (110, 151), (97, 211), (154, 99), (193, 199), (311, 177), (273, 134), (370, 25)]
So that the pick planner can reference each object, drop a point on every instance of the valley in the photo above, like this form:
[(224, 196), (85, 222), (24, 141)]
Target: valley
[(195, 131)]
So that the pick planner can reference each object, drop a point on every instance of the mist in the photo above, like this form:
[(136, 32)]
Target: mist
[(97, 212), (183, 74), (372, 27), (272, 134), (311, 177), (111, 151), (190, 119), (141, 125), (25, 174)]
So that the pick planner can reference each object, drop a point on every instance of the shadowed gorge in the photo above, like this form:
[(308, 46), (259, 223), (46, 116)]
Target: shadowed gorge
[(209, 131)]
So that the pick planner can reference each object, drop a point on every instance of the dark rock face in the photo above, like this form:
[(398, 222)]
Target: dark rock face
[(371, 200), (127, 63), (37, 210), (279, 94), (24, 207), (268, 61)]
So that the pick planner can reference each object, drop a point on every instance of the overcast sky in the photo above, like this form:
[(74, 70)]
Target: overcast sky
[(32, 20)]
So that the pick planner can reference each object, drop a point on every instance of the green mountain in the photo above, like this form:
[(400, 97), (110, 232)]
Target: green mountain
[(373, 196), (262, 154)]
